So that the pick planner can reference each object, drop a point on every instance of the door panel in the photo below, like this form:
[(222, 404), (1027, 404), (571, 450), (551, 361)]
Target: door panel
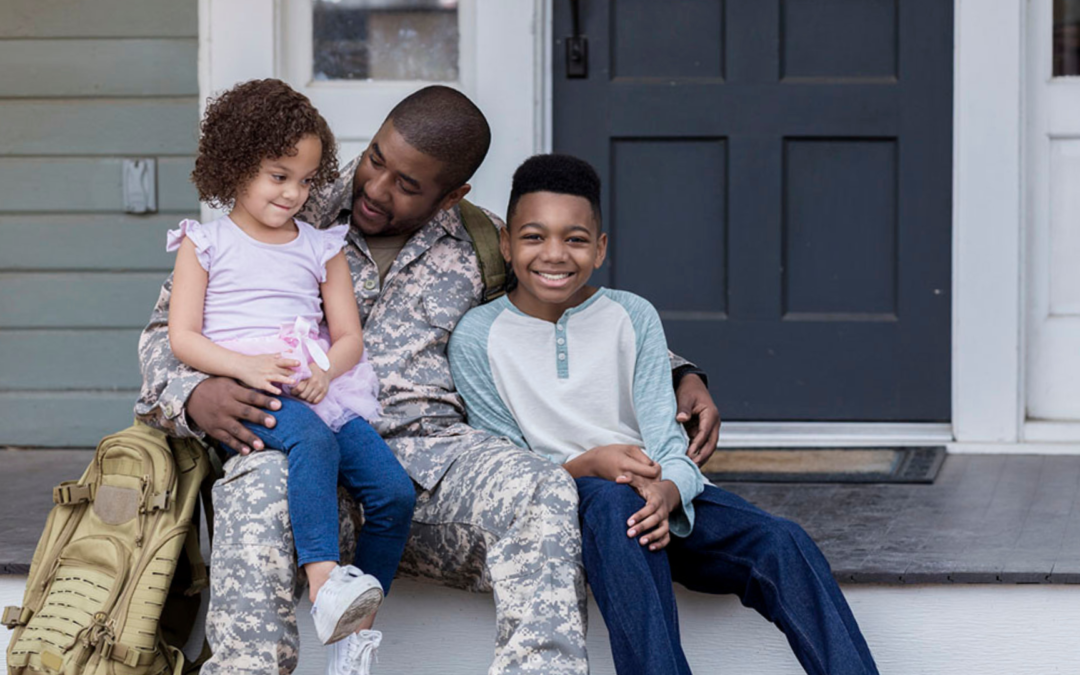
[(777, 181)]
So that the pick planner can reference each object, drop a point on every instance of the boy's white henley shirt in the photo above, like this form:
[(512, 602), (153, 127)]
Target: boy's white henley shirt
[(599, 375)]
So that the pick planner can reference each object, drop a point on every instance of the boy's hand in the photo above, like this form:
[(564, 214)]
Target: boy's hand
[(262, 372), (700, 416), (315, 387), (619, 463), (651, 522)]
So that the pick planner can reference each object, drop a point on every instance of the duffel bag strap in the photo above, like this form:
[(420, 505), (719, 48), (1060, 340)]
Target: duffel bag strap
[(16, 616), (72, 492)]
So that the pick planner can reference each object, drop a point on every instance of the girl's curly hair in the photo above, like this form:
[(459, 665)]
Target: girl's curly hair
[(253, 121)]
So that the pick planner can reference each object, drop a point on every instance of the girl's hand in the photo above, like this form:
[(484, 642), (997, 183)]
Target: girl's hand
[(262, 372), (650, 524), (315, 387)]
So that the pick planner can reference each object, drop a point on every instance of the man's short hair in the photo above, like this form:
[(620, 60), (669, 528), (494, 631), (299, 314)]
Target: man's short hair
[(443, 123), (561, 174)]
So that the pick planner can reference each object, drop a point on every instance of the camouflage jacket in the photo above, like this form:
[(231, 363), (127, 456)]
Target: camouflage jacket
[(407, 322)]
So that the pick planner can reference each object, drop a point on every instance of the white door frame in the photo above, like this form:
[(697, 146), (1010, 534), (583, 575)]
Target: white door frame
[(514, 78), (987, 207)]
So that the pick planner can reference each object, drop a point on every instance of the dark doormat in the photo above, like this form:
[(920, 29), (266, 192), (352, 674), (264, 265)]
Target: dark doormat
[(826, 465)]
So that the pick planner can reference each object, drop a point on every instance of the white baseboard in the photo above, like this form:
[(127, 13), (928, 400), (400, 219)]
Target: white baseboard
[(1053, 432), (831, 434), (1021, 448)]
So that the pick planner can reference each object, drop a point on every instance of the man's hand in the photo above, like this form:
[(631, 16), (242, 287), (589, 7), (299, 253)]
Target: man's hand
[(618, 463), (650, 524), (218, 404), (315, 387), (699, 415)]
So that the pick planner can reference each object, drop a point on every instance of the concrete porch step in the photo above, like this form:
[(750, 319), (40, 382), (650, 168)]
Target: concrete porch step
[(987, 519), (977, 573)]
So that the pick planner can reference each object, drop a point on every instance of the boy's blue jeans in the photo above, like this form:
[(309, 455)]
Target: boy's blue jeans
[(358, 458), (735, 547)]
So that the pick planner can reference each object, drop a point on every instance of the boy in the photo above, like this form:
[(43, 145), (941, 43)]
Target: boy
[(580, 375)]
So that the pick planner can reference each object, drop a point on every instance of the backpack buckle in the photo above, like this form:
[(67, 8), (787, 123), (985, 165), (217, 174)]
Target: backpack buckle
[(496, 292), (16, 616), (106, 648), (129, 656), (159, 502), (72, 493)]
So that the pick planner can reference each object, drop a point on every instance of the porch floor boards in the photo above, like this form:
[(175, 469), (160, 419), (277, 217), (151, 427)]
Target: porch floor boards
[(1010, 519)]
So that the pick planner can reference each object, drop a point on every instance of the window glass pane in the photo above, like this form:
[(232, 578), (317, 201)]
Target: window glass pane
[(386, 40), (1066, 37)]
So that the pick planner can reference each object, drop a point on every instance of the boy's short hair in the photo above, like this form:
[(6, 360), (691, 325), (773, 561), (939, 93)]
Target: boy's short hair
[(561, 174), (253, 121)]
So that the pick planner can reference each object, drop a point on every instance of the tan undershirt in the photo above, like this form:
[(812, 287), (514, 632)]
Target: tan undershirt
[(385, 251)]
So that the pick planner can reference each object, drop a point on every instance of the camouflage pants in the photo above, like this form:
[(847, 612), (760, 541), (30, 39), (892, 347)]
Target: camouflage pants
[(500, 519)]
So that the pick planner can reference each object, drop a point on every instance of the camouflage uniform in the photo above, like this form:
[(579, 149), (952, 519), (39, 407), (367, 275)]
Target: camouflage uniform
[(489, 515)]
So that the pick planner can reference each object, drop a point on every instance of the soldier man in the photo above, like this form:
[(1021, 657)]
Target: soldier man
[(489, 515)]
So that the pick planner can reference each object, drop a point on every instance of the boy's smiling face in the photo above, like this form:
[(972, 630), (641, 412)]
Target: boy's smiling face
[(553, 243)]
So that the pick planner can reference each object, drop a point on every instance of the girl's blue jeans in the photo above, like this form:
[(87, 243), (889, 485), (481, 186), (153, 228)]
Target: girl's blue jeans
[(769, 562), (357, 458)]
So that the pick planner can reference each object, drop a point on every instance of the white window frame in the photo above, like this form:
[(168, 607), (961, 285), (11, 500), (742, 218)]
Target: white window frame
[(242, 39)]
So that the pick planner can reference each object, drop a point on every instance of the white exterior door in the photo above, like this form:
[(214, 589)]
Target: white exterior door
[(355, 59), (1053, 209)]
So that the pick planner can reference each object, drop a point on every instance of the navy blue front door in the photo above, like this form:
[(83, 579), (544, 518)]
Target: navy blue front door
[(778, 182)]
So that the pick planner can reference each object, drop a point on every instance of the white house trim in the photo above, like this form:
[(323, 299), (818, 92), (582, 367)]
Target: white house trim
[(987, 270)]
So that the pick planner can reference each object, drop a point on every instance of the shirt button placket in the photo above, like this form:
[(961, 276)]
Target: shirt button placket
[(560, 349)]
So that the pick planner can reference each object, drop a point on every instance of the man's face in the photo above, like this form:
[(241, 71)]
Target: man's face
[(396, 188), (553, 243)]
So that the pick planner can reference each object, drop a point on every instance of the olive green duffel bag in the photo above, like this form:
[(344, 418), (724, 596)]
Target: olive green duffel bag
[(116, 543)]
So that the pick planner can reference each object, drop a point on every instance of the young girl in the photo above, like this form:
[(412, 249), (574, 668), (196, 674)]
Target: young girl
[(250, 293)]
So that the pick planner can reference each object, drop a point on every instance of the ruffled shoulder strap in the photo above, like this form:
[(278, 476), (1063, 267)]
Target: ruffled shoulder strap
[(329, 242), (199, 235)]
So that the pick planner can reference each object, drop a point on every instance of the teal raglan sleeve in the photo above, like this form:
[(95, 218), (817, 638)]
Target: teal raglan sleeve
[(471, 370), (654, 403)]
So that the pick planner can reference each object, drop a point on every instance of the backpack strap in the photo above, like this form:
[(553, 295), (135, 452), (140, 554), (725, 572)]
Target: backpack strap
[(485, 239), (217, 471), (199, 580), (204, 503)]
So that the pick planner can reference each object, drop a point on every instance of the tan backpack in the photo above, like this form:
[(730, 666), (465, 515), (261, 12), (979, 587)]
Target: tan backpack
[(101, 574)]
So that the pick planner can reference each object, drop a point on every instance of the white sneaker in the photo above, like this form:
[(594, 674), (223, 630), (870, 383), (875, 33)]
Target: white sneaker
[(347, 598), (353, 655)]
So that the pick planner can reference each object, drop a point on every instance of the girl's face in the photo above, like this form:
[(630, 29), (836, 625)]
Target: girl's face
[(271, 199)]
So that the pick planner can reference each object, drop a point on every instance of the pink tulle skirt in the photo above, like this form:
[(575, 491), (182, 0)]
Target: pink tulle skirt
[(354, 394)]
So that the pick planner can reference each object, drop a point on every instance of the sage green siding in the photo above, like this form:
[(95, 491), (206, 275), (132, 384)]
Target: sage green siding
[(85, 85), (96, 67)]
